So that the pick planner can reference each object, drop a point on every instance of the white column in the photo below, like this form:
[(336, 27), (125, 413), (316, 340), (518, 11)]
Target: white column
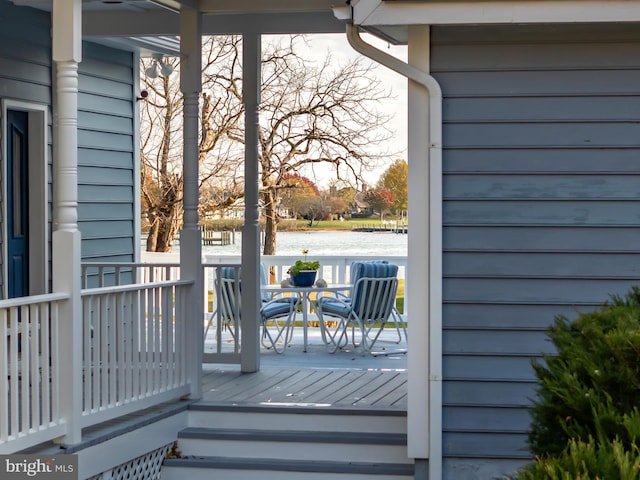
[(67, 51), (190, 236), (250, 332)]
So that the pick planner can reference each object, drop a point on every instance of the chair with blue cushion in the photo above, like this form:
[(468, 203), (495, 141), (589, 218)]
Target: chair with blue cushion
[(367, 311), (356, 270), (276, 314)]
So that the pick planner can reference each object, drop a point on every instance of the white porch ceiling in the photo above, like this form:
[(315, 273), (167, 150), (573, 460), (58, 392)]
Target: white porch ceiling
[(152, 25)]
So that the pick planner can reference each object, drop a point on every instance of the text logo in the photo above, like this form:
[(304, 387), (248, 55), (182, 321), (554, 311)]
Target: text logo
[(51, 467)]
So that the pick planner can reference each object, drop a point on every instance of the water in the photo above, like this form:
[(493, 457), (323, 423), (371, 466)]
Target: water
[(325, 243)]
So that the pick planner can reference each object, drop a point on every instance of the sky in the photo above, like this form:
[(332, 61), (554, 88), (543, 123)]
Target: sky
[(340, 49)]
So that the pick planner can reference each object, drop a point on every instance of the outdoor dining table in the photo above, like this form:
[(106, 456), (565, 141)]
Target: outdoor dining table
[(305, 294)]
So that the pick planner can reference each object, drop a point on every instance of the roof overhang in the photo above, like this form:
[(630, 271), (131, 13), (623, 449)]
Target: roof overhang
[(390, 18), (149, 25)]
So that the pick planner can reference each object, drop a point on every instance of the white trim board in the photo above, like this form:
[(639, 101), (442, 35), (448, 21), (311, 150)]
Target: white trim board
[(378, 12), (38, 196)]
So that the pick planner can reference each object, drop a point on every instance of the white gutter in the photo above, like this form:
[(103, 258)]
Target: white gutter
[(433, 235)]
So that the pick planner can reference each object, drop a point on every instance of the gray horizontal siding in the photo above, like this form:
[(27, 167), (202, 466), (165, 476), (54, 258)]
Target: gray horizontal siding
[(528, 238), (105, 229), (505, 316), (478, 445), (474, 395), (106, 157), (582, 291), (571, 159), (485, 419), (566, 265), (485, 366), (119, 248), (542, 186), (97, 211), (543, 212), (522, 342), (105, 125), (541, 136), (543, 109), (506, 84)]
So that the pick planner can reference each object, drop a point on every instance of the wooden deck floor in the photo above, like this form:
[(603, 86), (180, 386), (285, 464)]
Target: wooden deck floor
[(347, 379)]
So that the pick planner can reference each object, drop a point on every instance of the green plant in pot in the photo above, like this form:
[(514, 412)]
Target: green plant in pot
[(303, 272)]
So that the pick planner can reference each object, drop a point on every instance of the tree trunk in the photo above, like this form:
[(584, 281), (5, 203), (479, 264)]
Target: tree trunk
[(164, 227), (152, 237), (166, 236), (271, 223)]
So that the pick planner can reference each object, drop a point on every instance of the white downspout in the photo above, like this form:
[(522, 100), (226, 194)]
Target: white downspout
[(420, 447)]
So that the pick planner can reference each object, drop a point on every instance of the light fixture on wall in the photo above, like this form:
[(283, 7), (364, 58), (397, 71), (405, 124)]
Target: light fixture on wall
[(158, 61)]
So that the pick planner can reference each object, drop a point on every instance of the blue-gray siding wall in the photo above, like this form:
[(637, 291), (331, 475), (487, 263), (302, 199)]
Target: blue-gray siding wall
[(106, 176), (541, 212), (106, 173)]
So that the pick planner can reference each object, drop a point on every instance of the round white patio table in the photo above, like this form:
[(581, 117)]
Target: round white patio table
[(305, 293)]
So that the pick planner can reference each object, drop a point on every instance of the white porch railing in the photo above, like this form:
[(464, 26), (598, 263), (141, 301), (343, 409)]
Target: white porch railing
[(334, 269), (29, 357), (134, 339), (134, 357)]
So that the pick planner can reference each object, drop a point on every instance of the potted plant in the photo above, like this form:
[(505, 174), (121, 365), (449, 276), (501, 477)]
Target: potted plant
[(303, 272)]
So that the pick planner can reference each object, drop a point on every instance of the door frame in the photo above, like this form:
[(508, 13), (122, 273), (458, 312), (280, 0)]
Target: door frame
[(37, 168)]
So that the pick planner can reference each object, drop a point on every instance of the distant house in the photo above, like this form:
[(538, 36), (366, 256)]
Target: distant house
[(359, 208)]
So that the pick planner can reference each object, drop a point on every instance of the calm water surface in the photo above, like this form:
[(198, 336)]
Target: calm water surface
[(326, 243)]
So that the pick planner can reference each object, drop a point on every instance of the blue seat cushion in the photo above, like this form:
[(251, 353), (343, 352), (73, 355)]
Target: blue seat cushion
[(331, 306), (372, 269), (230, 272), (354, 271), (276, 308)]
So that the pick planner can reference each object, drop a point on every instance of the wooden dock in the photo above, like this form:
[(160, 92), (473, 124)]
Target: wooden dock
[(382, 228), (225, 237)]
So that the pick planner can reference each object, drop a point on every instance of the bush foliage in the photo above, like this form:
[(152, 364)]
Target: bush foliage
[(585, 424)]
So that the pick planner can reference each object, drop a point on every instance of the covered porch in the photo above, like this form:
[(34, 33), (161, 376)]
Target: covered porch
[(134, 370), (87, 356), (315, 389)]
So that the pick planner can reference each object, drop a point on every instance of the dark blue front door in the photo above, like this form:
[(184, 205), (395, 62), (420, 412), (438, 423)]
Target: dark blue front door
[(17, 204)]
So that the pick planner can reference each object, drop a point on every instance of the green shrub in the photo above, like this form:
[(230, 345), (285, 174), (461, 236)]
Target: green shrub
[(600, 458), (584, 418), (597, 363)]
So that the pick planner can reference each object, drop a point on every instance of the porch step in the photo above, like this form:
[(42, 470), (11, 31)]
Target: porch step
[(295, 417), (247, 442), (206, 468)]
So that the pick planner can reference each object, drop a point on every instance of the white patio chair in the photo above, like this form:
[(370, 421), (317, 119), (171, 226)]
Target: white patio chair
[(367, 311), (276, 313), (364, 268)]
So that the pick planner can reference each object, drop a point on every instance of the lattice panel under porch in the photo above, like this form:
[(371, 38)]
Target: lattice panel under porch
[(146, 467)]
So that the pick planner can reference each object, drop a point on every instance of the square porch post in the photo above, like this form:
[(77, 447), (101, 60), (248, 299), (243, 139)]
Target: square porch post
[(250, 331)]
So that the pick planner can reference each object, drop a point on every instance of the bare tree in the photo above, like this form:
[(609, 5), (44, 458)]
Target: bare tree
[(219, 155), (310, 114), (315, 114), (161, 179)]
